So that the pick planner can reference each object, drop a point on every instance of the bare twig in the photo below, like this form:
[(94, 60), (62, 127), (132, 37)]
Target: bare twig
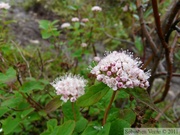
[(144, 30), (171, 14), (118, 39), (166, 48)]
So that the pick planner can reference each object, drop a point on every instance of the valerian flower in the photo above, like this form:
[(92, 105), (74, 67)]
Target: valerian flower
[(4, 5), (121, 70), (75, 19), (84, 44), (96, 9), (70, 87), (84, 20), (65, 25)]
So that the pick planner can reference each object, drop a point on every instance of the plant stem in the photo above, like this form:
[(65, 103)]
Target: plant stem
[(108, 108), (74, 112)]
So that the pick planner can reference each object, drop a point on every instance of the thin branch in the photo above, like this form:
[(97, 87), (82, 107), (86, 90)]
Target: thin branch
[(118, 39), (172, 28), (169, 18), (167, 50), (144, 30)]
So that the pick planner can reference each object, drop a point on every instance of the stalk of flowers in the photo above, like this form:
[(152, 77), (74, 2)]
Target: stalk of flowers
[(70, 87), (120, 70)]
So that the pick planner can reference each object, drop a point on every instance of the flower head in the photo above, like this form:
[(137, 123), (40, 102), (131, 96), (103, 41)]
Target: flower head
[(75, 19), (65, 25), (69, 86), (120, 70), (84, 20), (4, 5), (84, 45), (96, 9)]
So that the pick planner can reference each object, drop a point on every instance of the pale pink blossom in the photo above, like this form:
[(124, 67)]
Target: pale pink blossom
[(75, 19), (70, 87), (97, 59), (84, 20), (96, 8), (84, 45), (4, 5), (121, 70), (65, 25)]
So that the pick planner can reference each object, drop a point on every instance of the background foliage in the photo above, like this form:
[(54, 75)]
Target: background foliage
[(28, 103)]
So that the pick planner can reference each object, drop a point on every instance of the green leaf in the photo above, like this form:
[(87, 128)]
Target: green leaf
[(32, 85), (139, 45), (105, 130), (3, 110), (81, 125), (13, 101), (127, 115), (90, 130), (68, 112), (117, 127), (66, 129), (8, 76), (142, 96), (46, 34), (93, 95), (53, 104), (51, 125), (10, 124), (26, 112), (44, 24), (97, 130)]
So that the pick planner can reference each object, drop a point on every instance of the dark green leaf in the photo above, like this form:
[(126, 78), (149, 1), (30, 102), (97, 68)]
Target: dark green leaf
[(81, 125), (10, 124), (127, 115), (66, 129), (142, 96), (117, 127), (53, 104), (32, 85), (93, 95), (68, 111)]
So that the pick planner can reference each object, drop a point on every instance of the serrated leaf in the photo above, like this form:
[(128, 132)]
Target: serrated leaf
[(8, 76), (93, 95), (53, 104), (117, 127)]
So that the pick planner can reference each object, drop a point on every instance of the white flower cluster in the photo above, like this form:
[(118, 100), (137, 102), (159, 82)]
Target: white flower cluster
[(4, 5), (65, 25), (120, 70), (96, 9), (69, 86)]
